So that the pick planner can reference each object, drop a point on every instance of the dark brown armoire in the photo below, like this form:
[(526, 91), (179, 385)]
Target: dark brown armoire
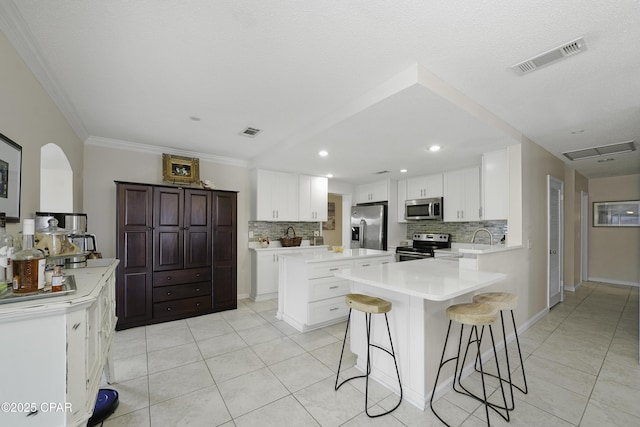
[(178, 252)]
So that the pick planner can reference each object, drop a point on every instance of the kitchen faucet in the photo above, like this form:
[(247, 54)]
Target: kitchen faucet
[(473, 238)]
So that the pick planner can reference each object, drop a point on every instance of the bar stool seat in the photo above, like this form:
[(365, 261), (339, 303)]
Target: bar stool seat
[(504, 301), (369, 305), (470, 314)]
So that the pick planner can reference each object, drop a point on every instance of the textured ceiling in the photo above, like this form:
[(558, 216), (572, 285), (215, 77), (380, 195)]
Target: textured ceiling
[(323, 74)]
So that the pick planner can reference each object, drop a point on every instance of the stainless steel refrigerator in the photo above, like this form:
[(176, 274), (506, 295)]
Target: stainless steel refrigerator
[(369, 227)]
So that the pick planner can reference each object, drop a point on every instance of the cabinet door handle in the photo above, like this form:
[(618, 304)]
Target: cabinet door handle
[(197, 289), (333, 287), (197, 274), (168, 308), (169, 278), (334, 269), (76, 326), (197, 304), (365, 265), (334, 309), (168, 294)]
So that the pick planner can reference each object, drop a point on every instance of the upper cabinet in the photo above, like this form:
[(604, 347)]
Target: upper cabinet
[(314, 198), (274, 196), (424, 187), (495, 185), (373, 192), (462, 195)]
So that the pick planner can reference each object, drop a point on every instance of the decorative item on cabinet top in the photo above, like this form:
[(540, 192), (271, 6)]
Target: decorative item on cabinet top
[(178, 169)]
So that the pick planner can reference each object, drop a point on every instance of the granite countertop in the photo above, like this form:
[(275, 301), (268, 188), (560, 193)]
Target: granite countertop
[(430, 279), (347, 254)]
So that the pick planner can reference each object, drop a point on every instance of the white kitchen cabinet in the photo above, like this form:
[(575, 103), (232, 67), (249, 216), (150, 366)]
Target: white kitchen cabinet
[(264, 270), (372, 192), (58, 348), (311, 297), (402, 197), (462, 195), (424, 187), (314, 198), (274, 196), (495, 185)]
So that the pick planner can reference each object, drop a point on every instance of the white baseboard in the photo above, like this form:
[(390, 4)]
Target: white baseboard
[(613, 281), (243, 296), (573, 288)]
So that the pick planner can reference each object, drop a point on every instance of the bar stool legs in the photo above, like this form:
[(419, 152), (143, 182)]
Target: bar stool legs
[(474, 315), (505, 301), (369, 305)]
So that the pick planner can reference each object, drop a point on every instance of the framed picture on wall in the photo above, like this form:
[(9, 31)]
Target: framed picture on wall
[(10, 178), (616, 214), (181, 170)]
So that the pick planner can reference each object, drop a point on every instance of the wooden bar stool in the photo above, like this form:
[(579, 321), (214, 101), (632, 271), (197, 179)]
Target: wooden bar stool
[(506, 301), (474, 315), (369, 305)]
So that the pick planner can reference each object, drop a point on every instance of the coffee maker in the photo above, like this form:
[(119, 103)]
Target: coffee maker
[(76, 226)]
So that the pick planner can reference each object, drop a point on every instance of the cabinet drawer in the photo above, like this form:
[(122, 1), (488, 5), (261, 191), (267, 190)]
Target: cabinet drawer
[(324, 311), (327, 269), (170, 293), (182, 306), (176, 277), (328, 287), (372, 261)]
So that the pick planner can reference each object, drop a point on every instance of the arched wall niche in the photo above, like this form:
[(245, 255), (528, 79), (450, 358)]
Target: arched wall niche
[(56, 180)]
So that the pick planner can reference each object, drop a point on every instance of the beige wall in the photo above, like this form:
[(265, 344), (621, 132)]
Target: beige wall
[(334, 237), (108, 164), (574, 184), (614, 252), (30, 118)]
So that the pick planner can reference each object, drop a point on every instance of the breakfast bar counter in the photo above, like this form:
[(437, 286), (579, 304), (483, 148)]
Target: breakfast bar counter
[(419, 291)]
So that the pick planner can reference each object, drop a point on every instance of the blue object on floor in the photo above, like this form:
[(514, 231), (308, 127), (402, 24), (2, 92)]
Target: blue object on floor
[(106, 404)]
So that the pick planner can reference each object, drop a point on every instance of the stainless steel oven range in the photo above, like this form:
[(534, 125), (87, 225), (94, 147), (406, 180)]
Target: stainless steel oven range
[(423, 246)]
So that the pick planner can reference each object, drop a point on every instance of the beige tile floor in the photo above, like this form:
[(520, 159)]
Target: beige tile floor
[(245, 368)]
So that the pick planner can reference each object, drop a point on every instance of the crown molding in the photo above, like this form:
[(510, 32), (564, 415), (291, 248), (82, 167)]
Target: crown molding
[(159, 150), (17, 32)]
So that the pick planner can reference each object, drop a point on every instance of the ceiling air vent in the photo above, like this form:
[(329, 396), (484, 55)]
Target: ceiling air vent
[(250, 132), (561, 52), (603, 150)]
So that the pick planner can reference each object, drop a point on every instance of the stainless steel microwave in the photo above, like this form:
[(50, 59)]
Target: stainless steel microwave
[(423, 209)]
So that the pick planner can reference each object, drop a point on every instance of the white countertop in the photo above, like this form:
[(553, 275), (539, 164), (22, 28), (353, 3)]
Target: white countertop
[(475, 248), (273, 247), (430, 279), (347, 254)]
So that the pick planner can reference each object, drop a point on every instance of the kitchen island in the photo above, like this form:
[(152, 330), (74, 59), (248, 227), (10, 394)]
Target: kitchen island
[(420, 291), (309, 295)]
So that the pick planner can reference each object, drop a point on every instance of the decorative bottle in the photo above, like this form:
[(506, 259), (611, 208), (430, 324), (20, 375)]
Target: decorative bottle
[(28, 263), (6, 252)]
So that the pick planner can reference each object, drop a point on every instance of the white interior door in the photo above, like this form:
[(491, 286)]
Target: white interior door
[(555, 190)]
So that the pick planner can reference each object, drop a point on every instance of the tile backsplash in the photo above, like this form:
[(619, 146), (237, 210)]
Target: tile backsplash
[(461, 232), (275, 230)]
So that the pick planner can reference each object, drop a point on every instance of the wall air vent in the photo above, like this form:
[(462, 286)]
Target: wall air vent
[(561, 52), (250, 132), (603, 150)]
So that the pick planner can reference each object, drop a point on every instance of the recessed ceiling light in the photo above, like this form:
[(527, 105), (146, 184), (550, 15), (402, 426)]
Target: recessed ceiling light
[(329, 175), (323, 153), (434, 148), (403, 171)]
